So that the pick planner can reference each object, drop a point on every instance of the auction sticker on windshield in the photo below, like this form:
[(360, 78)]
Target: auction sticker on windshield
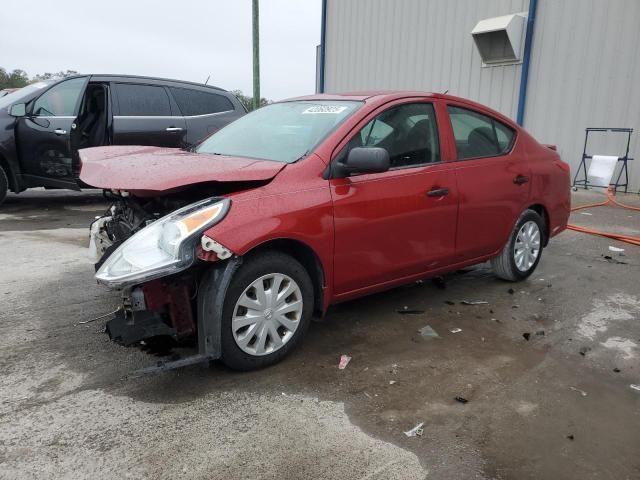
[(325, 109)]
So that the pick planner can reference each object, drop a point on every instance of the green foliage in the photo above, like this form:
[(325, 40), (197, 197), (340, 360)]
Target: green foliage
[(19, 78), (248, 101), (15, 79)]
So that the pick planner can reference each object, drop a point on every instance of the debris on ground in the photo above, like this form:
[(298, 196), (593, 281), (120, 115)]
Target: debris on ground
[(635, 387), (511, 291), (515, 306), (581, 392), (615, 249), (408, 311), (461, 400), (83, 322), (394, 369), (617, 370), (391, 382), (570, 437), (344, 361), (474, 302), (540, 333), (449, 302), (428, 332), (526, 336), (416, 431), (586, 213), (456, 330), (440, 283), (584, 350), (610, 259)]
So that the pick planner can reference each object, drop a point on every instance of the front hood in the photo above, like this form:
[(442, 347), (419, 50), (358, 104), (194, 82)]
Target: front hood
[(155, 169)]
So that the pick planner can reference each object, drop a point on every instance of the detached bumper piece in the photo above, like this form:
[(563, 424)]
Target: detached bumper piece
[(130, 329)]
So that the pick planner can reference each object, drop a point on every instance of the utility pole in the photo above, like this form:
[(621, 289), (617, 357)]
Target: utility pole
[(256, 55)]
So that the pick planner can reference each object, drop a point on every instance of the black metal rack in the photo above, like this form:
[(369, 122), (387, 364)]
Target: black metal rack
[(582, 168)]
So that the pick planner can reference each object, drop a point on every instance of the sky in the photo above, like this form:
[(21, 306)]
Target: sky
[(183, 39)]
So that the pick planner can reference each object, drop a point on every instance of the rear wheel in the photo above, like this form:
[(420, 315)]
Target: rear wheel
[(520, 256), (266, 312), (4, 185)]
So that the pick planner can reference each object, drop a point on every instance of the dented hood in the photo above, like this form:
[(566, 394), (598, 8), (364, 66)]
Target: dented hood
[(155, 169)]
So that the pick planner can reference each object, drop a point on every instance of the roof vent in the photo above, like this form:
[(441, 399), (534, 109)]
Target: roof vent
[(500, 39)]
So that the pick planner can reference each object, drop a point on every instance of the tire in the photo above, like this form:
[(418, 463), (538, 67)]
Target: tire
[(514, 266), (4, 185), (267, 269)]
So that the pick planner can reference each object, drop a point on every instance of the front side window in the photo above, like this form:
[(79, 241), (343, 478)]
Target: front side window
[(408, 132), (283, 132), (479, 135), (61, 100), (142, 100), (197, 102)]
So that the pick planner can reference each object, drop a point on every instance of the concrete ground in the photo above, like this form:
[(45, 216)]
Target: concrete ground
[(558, 405)]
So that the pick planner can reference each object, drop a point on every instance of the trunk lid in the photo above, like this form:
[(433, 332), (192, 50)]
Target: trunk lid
[(154, 169)]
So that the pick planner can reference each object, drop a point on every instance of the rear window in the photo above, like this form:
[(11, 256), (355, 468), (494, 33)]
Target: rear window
[(197, 102), (142, 100)]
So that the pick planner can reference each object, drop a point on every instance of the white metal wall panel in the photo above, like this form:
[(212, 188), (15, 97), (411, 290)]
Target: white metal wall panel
[(418, 45), (585, 68), (585, 72)]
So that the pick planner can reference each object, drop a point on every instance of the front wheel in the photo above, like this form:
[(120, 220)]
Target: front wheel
[(520, 256), (267, 310)]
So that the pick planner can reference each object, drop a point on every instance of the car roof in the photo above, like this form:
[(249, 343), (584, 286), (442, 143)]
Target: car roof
[(384, 96), (142, 79)]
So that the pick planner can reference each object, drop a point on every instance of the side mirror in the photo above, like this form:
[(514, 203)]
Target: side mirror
[(364, 160), (18, 110)]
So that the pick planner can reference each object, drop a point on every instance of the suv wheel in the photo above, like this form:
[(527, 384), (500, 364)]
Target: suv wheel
[(266, 312), (4, 185), (520, 256)]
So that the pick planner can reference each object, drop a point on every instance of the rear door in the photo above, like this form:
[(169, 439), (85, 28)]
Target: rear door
[(493, 180), (144, 115), (43, 136), (399, 223), (205, 111)]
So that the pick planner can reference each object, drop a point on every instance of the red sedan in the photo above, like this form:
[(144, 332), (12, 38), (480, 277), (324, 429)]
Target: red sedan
[(242, 240)]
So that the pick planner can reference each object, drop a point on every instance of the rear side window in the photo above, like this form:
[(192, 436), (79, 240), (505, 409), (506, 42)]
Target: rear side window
[(197, 102), (142, 100), (479, 135)]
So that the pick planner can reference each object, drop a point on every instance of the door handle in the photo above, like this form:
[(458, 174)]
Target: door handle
[(173, 129), (438, 192), (521, 180), (59, 131)]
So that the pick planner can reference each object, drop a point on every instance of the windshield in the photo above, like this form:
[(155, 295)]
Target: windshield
[(283, 132), (15, 97)]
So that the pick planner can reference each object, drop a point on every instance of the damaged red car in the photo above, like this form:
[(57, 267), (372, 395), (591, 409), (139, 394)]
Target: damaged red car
[(244, 239)]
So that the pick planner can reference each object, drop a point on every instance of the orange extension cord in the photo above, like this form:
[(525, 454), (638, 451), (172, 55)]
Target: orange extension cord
[(611, 200)]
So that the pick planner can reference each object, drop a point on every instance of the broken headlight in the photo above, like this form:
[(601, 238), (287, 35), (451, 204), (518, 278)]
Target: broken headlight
[(164, 247)]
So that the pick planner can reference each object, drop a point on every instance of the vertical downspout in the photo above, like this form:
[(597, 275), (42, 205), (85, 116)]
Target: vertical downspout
[(323, 29), (526, 58)]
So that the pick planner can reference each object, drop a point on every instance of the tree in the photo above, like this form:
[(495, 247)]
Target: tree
[(16, 79), (248, 101), (49, 76)]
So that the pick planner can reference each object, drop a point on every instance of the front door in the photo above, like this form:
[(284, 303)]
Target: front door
[(44, 135), (392, 225)]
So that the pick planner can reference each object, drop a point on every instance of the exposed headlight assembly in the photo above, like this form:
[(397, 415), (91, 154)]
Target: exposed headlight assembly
[(164, 247)]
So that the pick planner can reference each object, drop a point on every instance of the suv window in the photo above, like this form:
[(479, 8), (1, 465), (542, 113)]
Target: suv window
[(197, 102), (142, 100), (479, 135), (408, 132), (61, 100)]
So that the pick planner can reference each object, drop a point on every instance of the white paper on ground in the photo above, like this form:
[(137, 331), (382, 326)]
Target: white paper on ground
[(601, 170)]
